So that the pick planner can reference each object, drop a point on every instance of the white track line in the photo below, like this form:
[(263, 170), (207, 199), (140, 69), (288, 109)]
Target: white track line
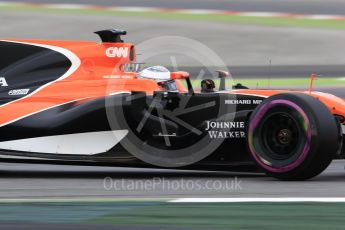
[(200, 11), (135, 9), (262, 14), (182, 11), (66, 6), (78, 199), (260, 200)]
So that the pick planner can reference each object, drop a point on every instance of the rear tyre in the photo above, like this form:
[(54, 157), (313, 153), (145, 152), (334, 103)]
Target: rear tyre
[(292, 136)]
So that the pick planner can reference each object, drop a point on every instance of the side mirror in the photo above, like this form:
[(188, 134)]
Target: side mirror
[(183, 75), (222, 75), (179, 75)]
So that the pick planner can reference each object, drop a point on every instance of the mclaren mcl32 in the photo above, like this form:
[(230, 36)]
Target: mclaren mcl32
[(78, 102)]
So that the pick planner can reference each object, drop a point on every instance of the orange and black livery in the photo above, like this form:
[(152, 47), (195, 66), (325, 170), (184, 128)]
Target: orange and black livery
[(81, 102)]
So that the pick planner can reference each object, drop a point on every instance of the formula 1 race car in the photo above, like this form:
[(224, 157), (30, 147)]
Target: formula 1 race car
[(76, 102)]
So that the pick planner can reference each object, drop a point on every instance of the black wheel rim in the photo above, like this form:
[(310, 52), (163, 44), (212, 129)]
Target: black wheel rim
[(280, 135)]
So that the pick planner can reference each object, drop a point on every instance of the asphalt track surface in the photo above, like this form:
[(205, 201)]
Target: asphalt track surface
[(54, 181), (288, 6), (289, 49)]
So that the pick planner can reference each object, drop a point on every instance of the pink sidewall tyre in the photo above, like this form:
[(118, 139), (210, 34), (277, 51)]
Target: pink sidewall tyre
[(292, 136)]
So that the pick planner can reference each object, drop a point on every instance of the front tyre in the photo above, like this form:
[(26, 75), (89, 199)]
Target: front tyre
[(292, 136)]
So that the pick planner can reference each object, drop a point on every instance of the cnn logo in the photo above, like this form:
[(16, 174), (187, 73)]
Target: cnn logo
[(120, 52)]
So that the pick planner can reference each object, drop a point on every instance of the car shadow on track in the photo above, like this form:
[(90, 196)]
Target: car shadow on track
[(123, 173)]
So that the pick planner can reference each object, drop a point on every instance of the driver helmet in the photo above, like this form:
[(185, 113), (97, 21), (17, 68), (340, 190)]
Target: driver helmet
[(161, 75)]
